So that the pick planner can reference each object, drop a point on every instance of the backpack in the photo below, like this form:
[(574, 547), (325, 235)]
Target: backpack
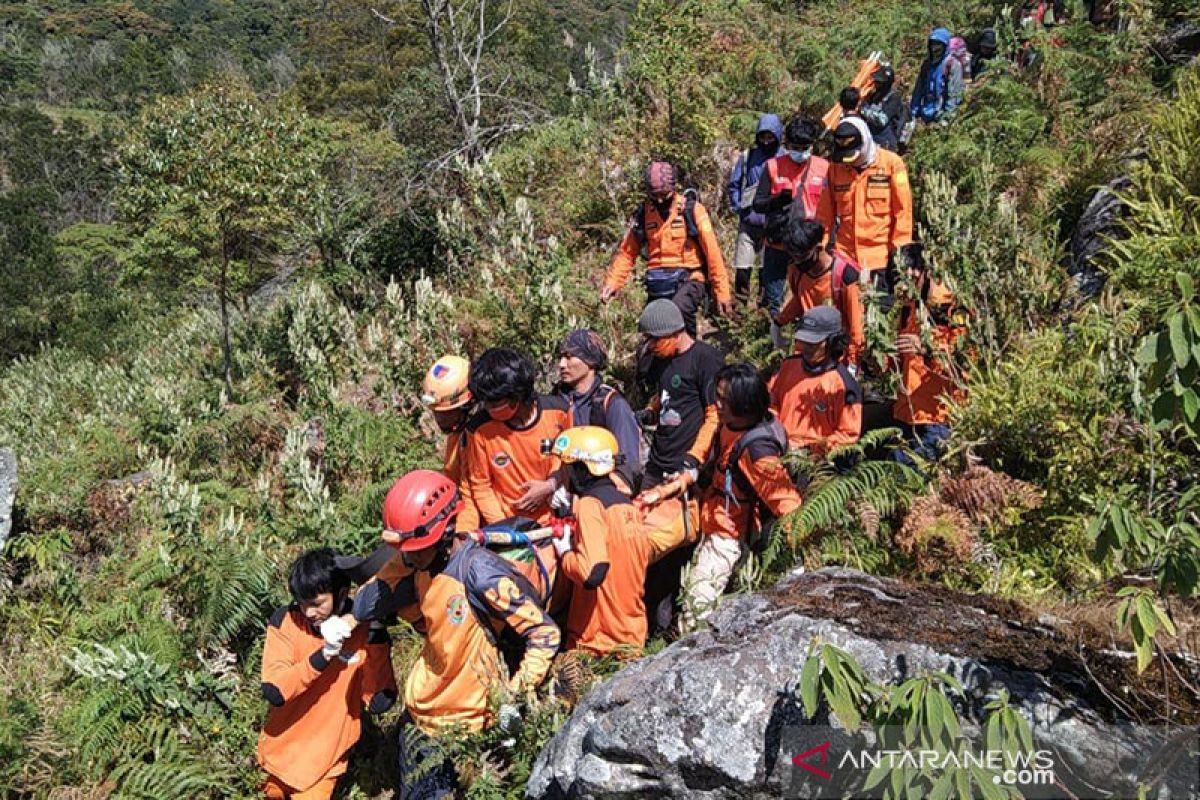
[(598, 413), (664, 283), (690, 198), (837, 280), (747, 192), (770, 432)]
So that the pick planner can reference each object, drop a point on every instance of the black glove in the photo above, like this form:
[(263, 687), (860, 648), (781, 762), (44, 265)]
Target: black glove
[(646, 417), (381, 701), (780, 201)]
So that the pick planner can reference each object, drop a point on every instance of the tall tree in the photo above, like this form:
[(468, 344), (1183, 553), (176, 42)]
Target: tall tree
[(209, 182)]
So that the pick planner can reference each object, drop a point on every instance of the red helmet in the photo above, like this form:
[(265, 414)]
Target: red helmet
[(419, 507)]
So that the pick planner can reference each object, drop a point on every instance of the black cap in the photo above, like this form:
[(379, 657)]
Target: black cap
[(819, 323)]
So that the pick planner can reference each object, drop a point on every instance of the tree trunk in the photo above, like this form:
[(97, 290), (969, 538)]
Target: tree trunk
[(223, 299)]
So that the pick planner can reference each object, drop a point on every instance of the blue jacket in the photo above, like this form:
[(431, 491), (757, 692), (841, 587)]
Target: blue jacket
[(939, 86), (750, 167)]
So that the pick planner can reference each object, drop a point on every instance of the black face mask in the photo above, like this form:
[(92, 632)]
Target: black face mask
[(937, 51), (881, 90)]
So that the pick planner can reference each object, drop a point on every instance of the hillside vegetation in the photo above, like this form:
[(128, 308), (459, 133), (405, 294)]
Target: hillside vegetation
[(161, 161)]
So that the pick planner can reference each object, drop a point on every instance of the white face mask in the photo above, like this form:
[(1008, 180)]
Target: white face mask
[(800, 156)]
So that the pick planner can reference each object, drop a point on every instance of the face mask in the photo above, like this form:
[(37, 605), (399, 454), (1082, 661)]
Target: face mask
[(664, 348), (503, 413), (800, 156)]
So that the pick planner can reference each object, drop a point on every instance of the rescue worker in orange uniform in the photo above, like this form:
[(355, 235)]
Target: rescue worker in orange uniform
[(870, 201), (750, 487), (446, 393), (817, 277), (682, 252), (816, 398), (318, 684), (464, 597), (508, 472), (928, 347), (794, 184), (607, 556)]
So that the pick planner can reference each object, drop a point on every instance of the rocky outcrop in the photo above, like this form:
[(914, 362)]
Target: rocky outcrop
[(8, 492), (1180, 44), (1092, 233), (706, 717)]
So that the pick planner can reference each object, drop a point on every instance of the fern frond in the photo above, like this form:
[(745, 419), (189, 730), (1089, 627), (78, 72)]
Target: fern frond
[(241, 594), (157, 765)]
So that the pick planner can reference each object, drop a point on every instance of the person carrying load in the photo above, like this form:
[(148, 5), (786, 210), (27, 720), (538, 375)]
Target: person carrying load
[(682, 253)]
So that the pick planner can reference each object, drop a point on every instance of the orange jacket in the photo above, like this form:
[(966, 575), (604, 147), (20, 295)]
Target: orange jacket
[(463, 607), (668, 246), (316, 705), (873, 209), (927, 386), (820, 410), (736, 514), (809, 292), (501, 458), (607, 567), (454, 455), (809, 184)]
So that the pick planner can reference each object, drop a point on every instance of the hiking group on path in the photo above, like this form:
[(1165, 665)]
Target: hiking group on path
[(573, 522)]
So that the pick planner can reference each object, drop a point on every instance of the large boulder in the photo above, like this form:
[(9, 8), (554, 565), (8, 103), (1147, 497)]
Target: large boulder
[(8, 492), (705, 718)]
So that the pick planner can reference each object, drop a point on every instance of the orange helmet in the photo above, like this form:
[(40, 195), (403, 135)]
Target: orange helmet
[(420, 507), (445, 385)]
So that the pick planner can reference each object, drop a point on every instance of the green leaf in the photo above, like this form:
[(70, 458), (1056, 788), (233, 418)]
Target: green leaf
[(942, 788), (809, 684), (876, 776), (1163, 409), (1191, 405), (987, 789), (1180, 345), (934, 717), (1187, 288), (962, 783), (1146, 616), (1164, 620), (1148, 353)]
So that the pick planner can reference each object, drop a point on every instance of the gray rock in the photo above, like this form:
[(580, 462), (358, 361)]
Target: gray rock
[(1092, 233), (8, 492), (1180, 44), (702, 719)]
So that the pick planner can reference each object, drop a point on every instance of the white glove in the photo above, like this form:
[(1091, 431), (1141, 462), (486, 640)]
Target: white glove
[(335, 631), (561, 499), (562, 544)]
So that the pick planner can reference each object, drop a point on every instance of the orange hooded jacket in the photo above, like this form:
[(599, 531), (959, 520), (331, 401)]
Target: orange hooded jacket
[(873, 208)]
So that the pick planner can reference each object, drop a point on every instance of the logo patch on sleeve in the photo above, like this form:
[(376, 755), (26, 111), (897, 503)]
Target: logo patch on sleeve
[(501, 460), (456, 609)]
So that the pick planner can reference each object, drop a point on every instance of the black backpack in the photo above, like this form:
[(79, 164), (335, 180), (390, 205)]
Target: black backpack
[(690, 198), (769, 432)]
